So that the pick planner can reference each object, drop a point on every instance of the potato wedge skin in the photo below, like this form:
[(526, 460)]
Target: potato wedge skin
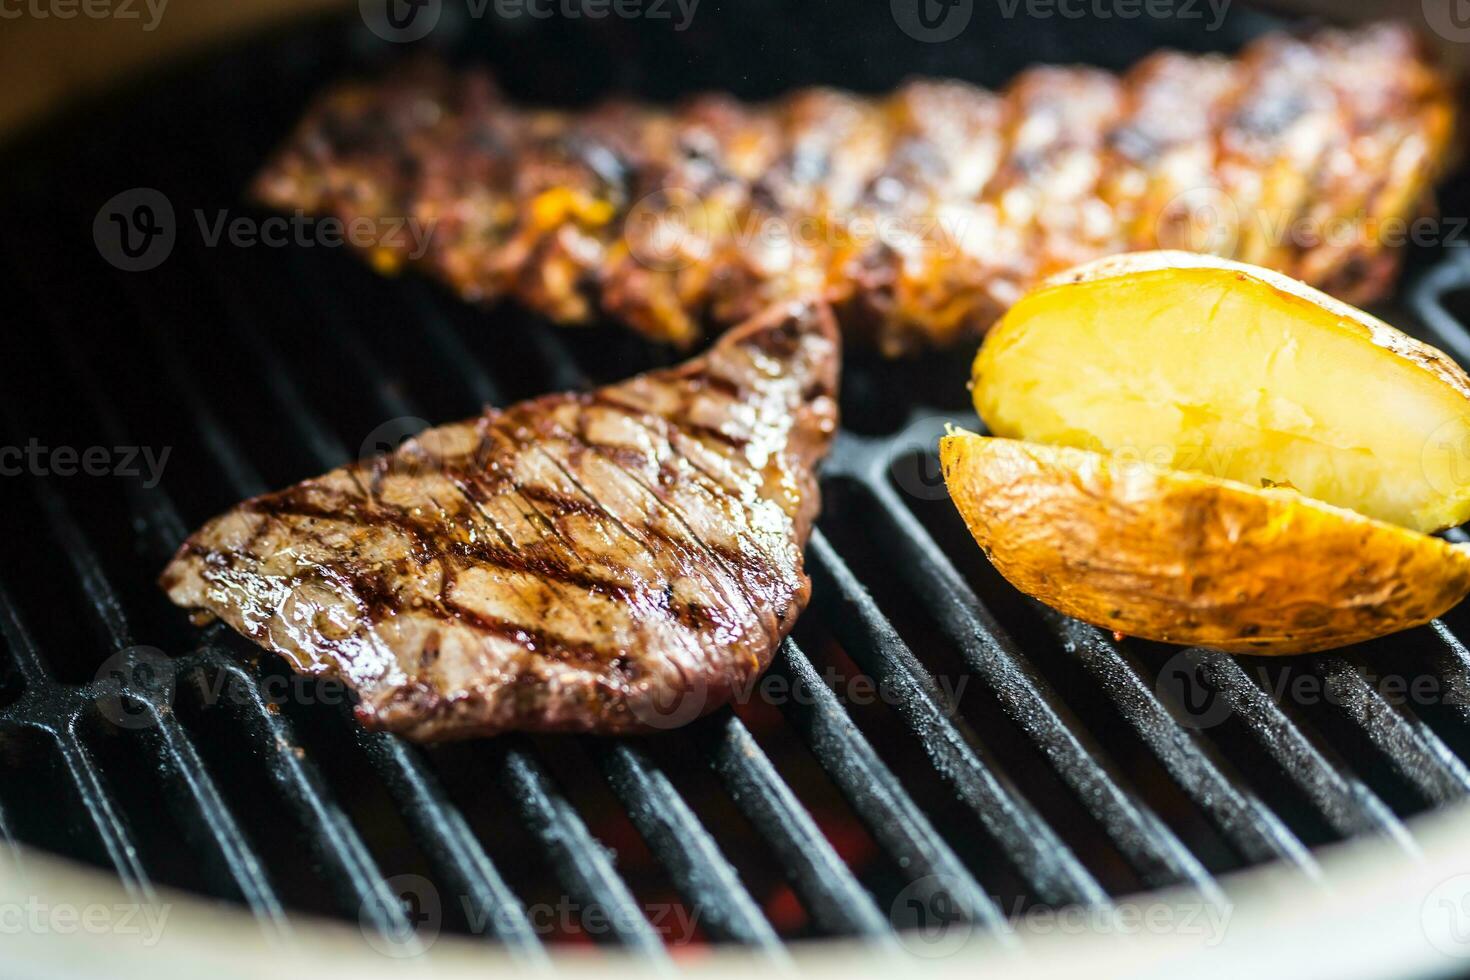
[(1191, 559), (1198, 363)]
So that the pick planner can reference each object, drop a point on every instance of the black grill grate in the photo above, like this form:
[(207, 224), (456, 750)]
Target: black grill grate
[(1085, 776)]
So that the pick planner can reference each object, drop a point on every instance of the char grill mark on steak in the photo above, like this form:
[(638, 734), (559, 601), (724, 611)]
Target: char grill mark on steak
[(979, 194), (612, 561)]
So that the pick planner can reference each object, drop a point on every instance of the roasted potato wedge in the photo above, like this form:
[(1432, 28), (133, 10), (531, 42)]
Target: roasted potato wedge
[(1191, 558), (1203, 452), (1195, 363)]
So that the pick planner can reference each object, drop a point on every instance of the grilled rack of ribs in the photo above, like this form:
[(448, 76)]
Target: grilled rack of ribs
[(921, 215), (618, 560)]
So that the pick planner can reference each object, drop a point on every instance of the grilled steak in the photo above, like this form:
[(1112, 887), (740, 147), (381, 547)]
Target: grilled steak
[(611, 561), (923, 214)]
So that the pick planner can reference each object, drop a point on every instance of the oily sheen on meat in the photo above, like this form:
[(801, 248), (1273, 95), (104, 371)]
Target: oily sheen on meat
[(922, 214), (617, 560)]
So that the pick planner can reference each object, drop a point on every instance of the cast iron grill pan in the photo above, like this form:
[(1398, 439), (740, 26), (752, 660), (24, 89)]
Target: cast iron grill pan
[(930, 742)]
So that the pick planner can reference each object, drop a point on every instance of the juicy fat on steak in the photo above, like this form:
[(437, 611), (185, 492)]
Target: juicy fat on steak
[(613, 561), (923, 214)]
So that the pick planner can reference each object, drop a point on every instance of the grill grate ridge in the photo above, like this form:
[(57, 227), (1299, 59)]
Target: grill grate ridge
[(686, 848), (1342, 799), (1049, 866), (836, 899), (1405, 742), (1194, 764), (878, 797), (1142, 837)]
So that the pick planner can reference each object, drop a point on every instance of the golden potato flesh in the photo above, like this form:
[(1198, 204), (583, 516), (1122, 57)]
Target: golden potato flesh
[(1190, 558), (1194, 363)]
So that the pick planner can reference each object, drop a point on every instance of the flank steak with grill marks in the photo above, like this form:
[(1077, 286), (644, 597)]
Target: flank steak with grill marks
[(617, 560)]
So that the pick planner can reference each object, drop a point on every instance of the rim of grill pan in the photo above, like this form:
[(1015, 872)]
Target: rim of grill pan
[(1376, 918)]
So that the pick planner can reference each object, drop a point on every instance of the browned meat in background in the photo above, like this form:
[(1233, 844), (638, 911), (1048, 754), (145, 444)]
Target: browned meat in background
[(922, 215), (620, 560)]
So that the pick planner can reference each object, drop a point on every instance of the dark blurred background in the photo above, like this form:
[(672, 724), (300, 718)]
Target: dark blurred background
[(56, 51)]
